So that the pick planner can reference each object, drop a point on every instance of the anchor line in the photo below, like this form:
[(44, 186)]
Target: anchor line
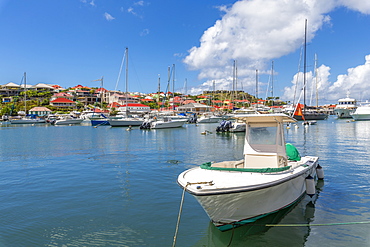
[(322, 224), (181, 206)]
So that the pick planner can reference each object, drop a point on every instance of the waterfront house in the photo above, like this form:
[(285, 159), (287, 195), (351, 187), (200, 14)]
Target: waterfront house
[(135, 108), (195, 107), (62, 103), (40, 111)]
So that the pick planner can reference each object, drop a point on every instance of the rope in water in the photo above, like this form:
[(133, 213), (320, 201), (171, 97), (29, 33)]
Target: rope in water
[(323, 224), (180, 210)]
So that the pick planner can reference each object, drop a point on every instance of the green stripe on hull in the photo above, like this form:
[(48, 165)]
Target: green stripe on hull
[(208, 166)]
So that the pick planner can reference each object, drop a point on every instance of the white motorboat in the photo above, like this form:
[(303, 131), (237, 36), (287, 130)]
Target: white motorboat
[(270, 177), (209, 119), (345, 107), (127, 121), (231, 126), (238, 126), (362, 113), (165, 123), (68, 121), (27, 120)]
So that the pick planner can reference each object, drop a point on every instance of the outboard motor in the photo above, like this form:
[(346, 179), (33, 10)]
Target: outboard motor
[(145, 125), (224, 126), (228, 126), (193, 118), (220, 128)]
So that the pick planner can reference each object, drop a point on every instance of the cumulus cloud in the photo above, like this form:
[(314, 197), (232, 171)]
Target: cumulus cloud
[(317, 81), (108, 17), (253, 38), (356, 81)]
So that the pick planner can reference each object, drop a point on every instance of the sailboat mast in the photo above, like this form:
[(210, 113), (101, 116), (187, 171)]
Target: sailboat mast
[(173, 86), (236, 79), (25, 94), (101, 92), (159, 87), (257, 88), (272, 79), (126, 81), (304, 68), (316, 77)]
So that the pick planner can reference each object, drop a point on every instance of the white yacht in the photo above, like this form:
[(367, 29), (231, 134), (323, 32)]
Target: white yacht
[(345, 107), (362, 113)]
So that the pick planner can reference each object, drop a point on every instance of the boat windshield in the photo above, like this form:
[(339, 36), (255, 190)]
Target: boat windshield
[(263, 139), (262, 135)]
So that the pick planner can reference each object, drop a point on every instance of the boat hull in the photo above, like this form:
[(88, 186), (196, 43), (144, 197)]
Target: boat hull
[(238, 127), (209, 120), (236, 205), (311, 116), (125, 122), (361, 117), (344, 112), (167, 125), (99, 122), (68, 121), (27, 121)]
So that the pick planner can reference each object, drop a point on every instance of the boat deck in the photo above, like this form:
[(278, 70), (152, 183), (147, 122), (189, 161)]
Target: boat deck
[(229, 164)]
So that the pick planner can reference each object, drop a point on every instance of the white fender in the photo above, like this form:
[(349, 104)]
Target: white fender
[(310, 186), (320, 172)]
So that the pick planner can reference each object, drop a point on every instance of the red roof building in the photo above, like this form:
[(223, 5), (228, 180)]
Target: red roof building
[(63, 102)]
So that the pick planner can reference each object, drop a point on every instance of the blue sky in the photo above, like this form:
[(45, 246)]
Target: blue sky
[(74, 42)]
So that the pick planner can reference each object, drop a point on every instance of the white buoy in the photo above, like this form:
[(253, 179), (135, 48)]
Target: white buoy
[(320, 172), (310, 186)]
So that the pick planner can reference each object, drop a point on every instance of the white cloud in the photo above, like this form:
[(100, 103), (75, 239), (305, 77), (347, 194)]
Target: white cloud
[(356, 81), (92, 2), (144, 32), (313, 81), (362, 6), (140, 3), (254, 38), (108, 17)]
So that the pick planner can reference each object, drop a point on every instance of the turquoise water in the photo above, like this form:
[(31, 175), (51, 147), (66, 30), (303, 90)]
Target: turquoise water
[(85, 186)]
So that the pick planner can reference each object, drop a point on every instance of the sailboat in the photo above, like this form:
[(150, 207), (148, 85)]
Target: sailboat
[(126, 121), (28, 119), (307, 115), (99, 119)]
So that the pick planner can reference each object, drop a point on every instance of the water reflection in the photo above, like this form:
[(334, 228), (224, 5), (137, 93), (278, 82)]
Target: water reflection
[(261, 233)]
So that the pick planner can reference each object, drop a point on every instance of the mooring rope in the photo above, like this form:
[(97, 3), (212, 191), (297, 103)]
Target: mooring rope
[(180, 210), (322, 224)]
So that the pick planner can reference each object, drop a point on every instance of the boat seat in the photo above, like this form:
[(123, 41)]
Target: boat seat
[(229, 164)]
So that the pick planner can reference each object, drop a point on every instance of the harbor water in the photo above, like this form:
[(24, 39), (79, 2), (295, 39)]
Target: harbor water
[(104, 186)]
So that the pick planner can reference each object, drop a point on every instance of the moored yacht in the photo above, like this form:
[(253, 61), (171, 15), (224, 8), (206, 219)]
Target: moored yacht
[(345, 107), (362, 113)]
